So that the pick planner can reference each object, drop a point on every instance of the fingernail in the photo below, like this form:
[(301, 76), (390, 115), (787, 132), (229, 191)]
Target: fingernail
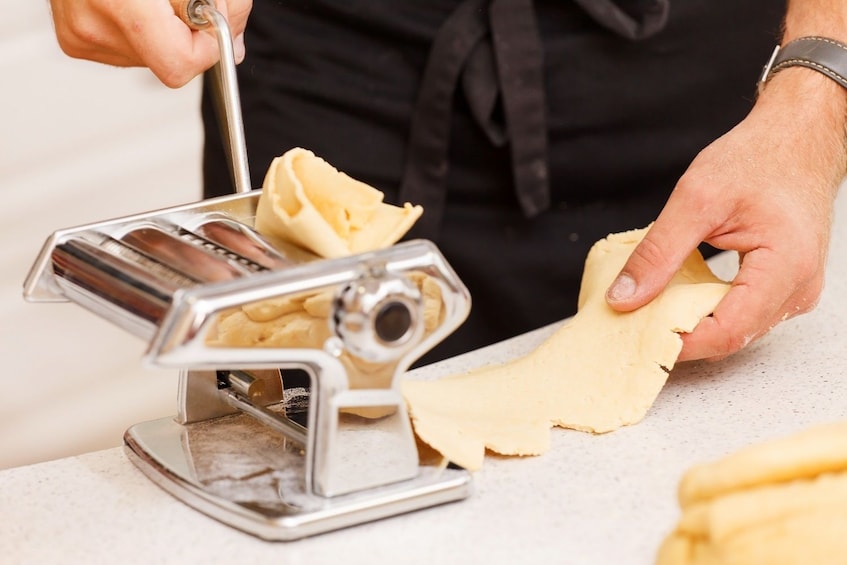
[(622, 289), (238, 48)]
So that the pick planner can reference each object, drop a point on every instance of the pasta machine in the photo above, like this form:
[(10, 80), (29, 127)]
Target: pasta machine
[(237, 448), (277, 461)]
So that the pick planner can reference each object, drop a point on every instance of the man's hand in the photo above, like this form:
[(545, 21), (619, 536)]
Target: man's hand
[(765, 189), (146, 33)]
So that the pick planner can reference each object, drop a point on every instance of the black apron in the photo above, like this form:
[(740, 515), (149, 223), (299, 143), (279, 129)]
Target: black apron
[(528, 130)]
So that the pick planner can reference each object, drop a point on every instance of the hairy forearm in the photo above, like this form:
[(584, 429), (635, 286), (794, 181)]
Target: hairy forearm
[(806, 105), (827, 18)]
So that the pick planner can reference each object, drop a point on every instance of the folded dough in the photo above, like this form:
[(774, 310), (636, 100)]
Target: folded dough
[(601, 370), (777, 502), (306, 201)]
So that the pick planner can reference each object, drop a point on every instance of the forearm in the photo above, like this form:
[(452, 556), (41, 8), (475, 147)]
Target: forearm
[(807, 106), (827, 18)]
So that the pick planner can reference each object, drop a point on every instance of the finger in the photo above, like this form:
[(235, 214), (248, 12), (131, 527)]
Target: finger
[(656, 258), (193, 51), (174, 52), (92, 35), (239, 50), (724, 332), (237, 12), (758, 300)]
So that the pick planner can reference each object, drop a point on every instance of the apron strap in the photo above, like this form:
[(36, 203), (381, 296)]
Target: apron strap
[(517, 73), (517, 49), (653, 15)]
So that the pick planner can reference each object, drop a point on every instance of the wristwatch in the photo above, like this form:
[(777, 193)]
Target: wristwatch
[(822, 54)]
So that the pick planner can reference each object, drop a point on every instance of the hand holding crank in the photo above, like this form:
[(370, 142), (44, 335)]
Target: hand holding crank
[(146, 33)]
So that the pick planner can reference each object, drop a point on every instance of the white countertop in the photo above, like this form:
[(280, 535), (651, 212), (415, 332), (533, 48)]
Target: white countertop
[(606, 499)]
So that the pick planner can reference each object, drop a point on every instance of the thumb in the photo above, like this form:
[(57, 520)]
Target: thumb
[(652, 264)]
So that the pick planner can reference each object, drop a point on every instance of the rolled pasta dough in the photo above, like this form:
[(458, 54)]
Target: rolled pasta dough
[(601, 370), (779, 502)]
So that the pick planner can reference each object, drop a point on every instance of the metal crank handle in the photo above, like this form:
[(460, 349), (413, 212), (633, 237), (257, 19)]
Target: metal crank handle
[(200, 14)]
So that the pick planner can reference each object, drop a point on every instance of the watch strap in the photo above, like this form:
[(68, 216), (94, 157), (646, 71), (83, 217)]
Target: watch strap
[(821, 54)]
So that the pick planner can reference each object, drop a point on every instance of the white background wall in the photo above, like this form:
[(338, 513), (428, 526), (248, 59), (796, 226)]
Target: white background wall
[(79, 142)]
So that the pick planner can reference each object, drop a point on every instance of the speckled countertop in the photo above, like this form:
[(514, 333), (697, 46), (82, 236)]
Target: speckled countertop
[(606, 499)]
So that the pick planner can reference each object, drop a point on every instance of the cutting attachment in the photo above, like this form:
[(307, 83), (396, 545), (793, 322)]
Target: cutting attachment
[(277, 461)]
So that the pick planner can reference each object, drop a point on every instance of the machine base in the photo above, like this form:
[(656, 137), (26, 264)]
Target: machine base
[(238, 472)]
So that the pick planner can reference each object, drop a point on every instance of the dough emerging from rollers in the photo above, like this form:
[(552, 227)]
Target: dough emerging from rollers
[(780, 502), (600, 371), (308, 202), (302, 321)]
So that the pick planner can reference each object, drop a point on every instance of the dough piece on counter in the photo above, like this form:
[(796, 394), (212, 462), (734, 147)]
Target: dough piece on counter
[(818, 450), (598, 372), (306, 201), (778, 502)]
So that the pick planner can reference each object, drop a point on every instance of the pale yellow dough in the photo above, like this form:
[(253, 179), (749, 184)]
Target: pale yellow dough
[(805, 455), (780, 502), (600, 371), (306, 201), (303, 321)]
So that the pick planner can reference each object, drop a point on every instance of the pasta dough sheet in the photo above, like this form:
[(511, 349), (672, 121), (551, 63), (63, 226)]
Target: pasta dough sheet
[(306, 201), (780, 502), (600, 371)]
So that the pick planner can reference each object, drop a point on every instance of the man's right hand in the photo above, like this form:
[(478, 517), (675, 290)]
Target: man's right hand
[(144, 33)]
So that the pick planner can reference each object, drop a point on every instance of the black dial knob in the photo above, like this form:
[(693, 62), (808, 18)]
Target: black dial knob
[(393, 321)]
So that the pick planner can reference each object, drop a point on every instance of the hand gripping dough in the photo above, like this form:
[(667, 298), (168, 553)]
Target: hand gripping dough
[(780, 502), (600, 371), (306, 201)]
